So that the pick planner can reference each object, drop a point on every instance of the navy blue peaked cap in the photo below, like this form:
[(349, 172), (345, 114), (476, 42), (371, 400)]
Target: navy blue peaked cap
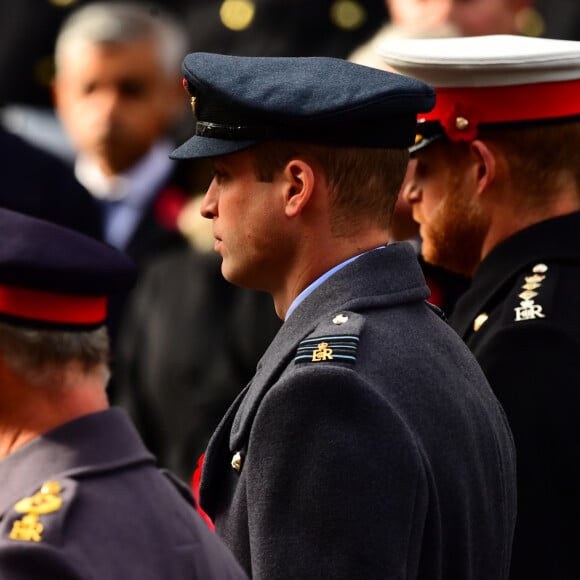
[(241, 101), (52, 276)]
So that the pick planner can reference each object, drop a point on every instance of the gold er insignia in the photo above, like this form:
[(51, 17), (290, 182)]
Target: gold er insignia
[(480, 321), (527, 310), (322, 353), (46, 501), (461, 123), (28, 529), (237, 461)]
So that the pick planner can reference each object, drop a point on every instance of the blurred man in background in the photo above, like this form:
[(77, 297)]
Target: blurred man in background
[(117, 90), (118, 94)]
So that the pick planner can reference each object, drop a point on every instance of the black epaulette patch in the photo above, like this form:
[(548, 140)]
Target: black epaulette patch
[(341, 348)]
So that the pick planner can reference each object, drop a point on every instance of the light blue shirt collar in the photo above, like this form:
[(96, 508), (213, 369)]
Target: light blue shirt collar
[(309, 289)]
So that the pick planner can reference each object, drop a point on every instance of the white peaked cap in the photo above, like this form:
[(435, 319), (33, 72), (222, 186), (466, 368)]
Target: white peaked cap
[(489, 80), (476, 61)]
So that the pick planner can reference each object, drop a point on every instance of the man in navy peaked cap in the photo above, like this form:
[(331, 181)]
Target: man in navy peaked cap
[(368, 444), (80, 496)]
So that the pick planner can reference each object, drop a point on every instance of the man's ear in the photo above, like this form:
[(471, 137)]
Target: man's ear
[(485, 165), (299, 181)]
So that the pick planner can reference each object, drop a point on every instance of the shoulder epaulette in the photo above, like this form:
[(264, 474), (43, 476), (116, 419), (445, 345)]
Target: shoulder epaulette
[(37, 516), (335, 340)]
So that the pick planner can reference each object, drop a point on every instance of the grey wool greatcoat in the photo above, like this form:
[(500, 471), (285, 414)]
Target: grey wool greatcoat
[(85, 501), (368, 445)]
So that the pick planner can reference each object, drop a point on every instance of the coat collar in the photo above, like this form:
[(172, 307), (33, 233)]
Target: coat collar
[(396, 278), (93, 443), (555, 238), (380, 278)]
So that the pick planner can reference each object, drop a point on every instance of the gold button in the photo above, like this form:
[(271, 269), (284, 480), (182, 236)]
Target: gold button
[(237, 461), (480, 321), (461, 123)]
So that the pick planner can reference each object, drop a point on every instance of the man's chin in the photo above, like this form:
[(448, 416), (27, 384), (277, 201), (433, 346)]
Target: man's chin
[(433, 256), (429, 252)]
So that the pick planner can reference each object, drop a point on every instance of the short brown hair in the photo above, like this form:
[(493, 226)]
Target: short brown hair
[(364, 182), (538, 156)]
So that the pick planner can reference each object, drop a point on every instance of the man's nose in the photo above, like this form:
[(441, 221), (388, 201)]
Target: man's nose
[(208, 208)]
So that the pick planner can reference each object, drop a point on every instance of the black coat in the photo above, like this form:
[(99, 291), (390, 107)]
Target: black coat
[(528, 345), (368, 445)]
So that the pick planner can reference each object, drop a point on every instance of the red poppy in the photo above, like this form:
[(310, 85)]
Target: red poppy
[(460, 122), (195, 489), (168, 206)]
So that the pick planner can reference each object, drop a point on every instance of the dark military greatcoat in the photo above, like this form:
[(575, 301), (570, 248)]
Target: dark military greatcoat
[(521, 319), (368, 445), (86, 501)]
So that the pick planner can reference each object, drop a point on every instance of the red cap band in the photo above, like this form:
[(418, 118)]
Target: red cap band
[(51, 307), (461, 110)]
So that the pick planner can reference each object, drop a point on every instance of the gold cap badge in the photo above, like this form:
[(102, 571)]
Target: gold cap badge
[(461, 123)]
